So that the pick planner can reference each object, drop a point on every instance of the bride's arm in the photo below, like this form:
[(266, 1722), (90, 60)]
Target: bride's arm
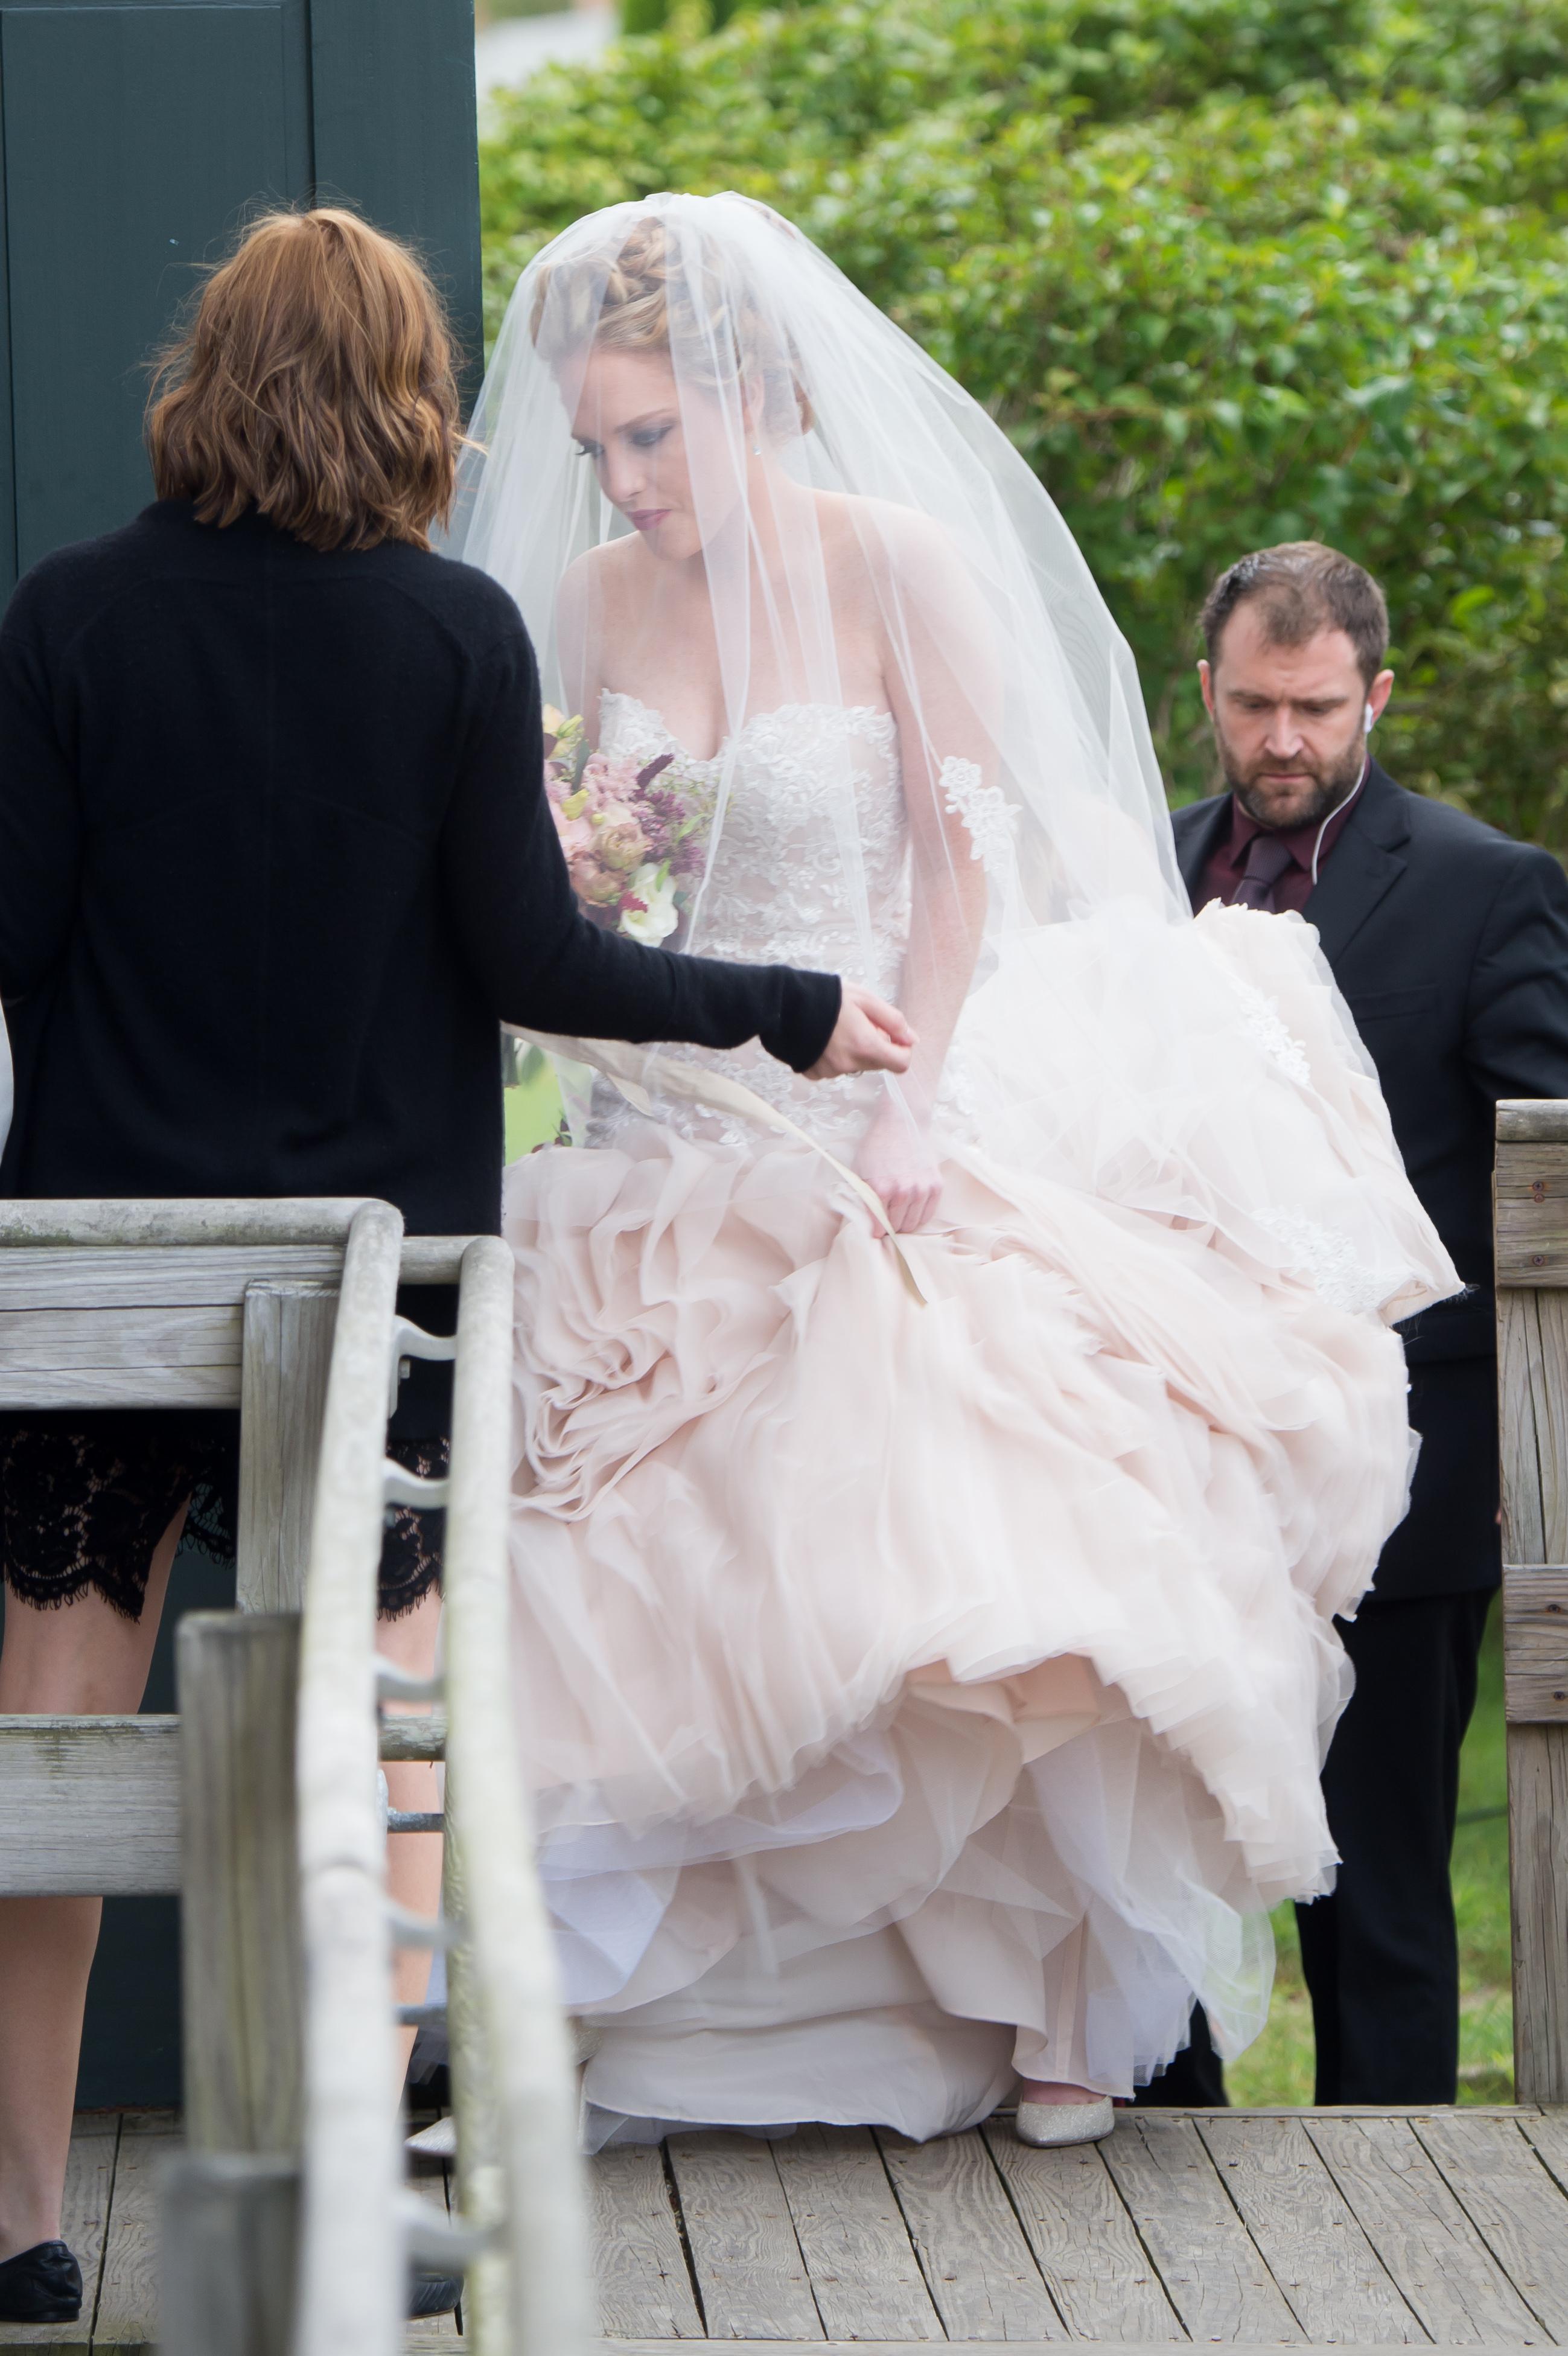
[(942, 689)]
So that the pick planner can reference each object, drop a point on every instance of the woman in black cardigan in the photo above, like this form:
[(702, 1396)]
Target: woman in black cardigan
[(276, 860)]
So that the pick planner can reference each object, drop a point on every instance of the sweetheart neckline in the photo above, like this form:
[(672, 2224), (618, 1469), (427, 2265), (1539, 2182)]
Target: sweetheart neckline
[(873, 711)]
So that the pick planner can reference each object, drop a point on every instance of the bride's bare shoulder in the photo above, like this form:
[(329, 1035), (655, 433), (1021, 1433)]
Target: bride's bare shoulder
[(597, 582), (887, 539)]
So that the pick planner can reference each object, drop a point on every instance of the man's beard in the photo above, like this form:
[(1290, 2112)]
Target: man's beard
[(1332, 783)]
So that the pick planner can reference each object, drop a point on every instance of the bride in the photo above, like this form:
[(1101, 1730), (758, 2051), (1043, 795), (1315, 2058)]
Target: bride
[(924, 1625)]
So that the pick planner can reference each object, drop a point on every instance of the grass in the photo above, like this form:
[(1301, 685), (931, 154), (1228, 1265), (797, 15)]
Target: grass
[(1278, 2067), (532, 1106)]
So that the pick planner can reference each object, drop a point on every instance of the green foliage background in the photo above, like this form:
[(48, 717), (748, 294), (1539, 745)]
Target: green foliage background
[(1228, 270)]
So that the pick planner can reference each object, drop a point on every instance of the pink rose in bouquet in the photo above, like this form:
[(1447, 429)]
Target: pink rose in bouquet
[(634, 835)]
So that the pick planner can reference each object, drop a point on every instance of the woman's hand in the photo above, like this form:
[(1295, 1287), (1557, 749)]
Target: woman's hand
[(896, 1162), (868, 1036)]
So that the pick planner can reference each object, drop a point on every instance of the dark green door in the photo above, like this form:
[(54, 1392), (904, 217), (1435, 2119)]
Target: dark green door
[(136, 138)]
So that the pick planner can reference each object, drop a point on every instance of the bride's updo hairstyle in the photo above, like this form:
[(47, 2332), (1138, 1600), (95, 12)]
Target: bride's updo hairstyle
[(314, 383), (647, 298)]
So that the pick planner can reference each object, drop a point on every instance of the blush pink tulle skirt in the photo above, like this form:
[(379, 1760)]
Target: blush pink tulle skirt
[(914, 1697)]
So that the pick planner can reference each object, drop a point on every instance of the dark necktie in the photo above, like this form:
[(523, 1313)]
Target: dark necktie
[(1266, 861)]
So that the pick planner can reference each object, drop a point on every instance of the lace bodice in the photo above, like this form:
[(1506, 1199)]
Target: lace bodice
[(811, 868)]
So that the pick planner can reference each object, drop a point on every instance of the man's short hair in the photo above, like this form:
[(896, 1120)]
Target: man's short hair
[(1302, 587)]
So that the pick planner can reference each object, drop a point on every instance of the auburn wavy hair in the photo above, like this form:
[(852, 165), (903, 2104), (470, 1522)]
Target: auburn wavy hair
[(314, 382)]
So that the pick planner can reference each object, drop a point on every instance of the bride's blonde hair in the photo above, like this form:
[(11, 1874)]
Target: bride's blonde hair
[(656, 297)]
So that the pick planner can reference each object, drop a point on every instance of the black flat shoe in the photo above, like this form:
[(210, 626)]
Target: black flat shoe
[(42, 2284), (428, 2294)]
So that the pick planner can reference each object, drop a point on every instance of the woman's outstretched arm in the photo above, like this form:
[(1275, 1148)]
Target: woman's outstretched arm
[(544, 966)]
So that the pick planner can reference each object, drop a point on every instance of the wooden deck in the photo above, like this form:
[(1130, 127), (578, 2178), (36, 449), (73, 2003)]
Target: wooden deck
[(1251, 2229)]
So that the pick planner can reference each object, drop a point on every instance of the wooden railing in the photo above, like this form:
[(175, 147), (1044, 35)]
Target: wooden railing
[(1532, 1396), (288, 2227)]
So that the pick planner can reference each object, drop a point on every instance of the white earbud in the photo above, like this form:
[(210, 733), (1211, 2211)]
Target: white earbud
[(1367, 720)]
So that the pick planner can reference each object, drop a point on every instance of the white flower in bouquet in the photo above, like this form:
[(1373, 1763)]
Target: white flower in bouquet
[(660, 912)]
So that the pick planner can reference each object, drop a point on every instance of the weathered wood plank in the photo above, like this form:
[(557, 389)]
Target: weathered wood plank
[(98, 1223), (645, 2291), (91, 1222), (1521, 1400), (435, 2333), (1533, 1352), (1531, 1196), (188, 1276), (865, 2277), (1449, 2279), (120, 1357), (1533, 1347), (1547, 2133), (750, 2272), (1098, 2273), (1213, 2274), (1538, 1121), (128, 2289), (88, 2181), (1332, 2277), (241, 1948), (1513, 2202), (70, 1341), (1538, 1881), (977, 2265), (1535, 1642), (413, 1738), (93, 1806), (228, 2253), (288, 1331)]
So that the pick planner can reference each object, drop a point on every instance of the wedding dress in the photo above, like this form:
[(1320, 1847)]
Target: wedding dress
[(920, 1687)]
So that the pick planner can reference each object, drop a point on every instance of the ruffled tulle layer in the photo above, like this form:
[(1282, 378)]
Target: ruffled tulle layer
[(911, 1695)]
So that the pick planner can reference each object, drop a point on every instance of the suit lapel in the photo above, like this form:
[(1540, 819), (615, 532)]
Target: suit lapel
[(1367, 861), (1197, 842)]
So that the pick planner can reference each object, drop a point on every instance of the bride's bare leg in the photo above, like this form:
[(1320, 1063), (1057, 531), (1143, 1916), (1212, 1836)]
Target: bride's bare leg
[(81, 1660), (413, 1860), (1048, 2090)]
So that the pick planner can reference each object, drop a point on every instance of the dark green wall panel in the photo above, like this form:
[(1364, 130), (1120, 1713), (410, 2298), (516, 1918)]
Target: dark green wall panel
[(393, 105), (179, 127), (136, 138)]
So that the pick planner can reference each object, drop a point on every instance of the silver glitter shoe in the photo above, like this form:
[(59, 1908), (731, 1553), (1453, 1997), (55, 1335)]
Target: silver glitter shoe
[(1054, 2123)]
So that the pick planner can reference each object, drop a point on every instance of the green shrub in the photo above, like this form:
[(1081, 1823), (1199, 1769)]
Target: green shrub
[(1227, 273)]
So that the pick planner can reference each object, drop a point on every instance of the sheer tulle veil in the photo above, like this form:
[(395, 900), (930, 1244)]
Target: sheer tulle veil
[(1016, 694)]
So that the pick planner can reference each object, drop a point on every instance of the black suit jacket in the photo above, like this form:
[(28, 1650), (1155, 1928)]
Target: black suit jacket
[(1450, 943)]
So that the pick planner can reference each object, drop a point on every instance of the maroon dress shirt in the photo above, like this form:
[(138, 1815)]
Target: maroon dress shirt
[(1222, 875)]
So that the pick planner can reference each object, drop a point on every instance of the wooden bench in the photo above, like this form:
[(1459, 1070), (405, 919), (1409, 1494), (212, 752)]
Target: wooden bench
[(286, 2228)]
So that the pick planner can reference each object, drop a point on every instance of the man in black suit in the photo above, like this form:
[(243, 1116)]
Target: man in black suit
[(1450, 943)]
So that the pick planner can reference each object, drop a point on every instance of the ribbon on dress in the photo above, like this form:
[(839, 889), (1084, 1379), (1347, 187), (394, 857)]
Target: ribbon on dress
[(626, 1067)]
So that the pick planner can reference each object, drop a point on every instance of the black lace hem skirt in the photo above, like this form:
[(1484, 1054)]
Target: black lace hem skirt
[(85, 1495)]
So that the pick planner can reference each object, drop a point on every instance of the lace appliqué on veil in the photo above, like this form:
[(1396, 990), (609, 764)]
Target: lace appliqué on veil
[(983, 810), (1266, 1027), (1330, 1261)]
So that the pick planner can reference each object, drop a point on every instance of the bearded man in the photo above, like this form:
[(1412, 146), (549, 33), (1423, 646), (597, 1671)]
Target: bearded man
[(1450, 943)]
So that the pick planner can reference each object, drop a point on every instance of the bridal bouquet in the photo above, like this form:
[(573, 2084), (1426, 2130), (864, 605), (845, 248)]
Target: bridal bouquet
[(634, 837)]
